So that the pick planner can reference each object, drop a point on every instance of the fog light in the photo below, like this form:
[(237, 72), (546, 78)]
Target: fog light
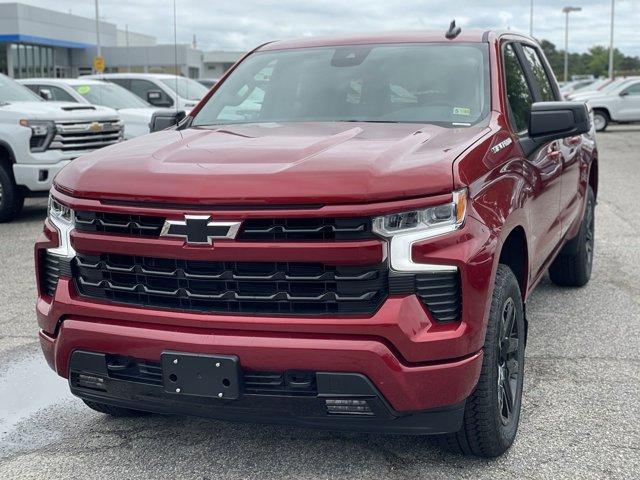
[(348, 407), (91, 381)]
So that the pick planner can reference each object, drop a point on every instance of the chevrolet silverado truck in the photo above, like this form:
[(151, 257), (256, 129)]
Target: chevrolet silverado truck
[(343, 234), (38, 138)]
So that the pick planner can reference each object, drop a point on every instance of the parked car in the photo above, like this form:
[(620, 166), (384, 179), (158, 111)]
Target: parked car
[(133, 111), (354, 254), (208, 82), (160, 90), (611, 86), (592, 87), (617, 105), (38, 138), (570, 87)]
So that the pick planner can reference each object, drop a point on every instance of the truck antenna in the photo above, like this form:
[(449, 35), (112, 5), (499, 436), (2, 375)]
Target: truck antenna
[(453, 31)]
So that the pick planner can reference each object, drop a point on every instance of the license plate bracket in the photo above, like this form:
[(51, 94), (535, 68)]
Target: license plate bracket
[(202, 375)]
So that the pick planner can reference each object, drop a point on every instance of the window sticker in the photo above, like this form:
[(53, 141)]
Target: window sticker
[(83, 89), (461, 111)]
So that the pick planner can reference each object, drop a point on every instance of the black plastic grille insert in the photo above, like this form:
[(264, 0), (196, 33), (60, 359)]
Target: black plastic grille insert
[(255, 288)]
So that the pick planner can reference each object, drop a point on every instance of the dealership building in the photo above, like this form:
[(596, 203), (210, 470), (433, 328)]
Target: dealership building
[(38, 42)]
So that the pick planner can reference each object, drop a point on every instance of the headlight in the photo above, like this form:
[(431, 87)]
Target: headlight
[(406, 228), (41, 133), (63, 218)]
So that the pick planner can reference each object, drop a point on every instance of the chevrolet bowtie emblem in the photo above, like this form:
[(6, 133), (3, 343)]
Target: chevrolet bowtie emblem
[(96, 127), (198, 229)]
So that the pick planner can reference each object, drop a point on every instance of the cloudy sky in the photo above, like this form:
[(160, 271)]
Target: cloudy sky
[(242, 24)]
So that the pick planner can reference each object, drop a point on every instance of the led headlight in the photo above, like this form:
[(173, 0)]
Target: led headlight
[(41, 133), (63, 218), (406, 228)]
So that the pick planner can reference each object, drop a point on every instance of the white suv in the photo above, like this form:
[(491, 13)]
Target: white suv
[(38, 138), (158, 89), (620, 104)]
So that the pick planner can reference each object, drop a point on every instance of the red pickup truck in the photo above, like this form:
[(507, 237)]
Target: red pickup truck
[(343, 234)]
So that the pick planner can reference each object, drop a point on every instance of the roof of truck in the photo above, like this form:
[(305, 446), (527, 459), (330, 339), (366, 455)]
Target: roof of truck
[(415, 36)]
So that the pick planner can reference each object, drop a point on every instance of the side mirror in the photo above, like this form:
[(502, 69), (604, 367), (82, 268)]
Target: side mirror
[(553, 120), (155, 97), (45, 93), (165, 119), (624, 93)]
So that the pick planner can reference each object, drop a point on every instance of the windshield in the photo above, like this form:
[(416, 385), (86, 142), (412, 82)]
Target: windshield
[(409, 83), (186, 88), (11, 91), (110, 95)]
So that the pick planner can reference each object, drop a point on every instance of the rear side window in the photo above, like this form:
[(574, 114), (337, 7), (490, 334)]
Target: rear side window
[(518, 93), (540, 74)]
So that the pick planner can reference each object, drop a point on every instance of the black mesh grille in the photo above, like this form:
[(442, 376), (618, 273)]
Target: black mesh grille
[(440, 292), (233, 287), (255, 229)]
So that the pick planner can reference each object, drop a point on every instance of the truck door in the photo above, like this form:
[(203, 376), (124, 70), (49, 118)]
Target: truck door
[(568, 149), (629, 104), (545, 163)]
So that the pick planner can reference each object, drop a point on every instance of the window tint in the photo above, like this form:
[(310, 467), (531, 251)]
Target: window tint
[(413, 83), (58, 94), (142, 87), (518, 93), (544, 85), (633, 90)]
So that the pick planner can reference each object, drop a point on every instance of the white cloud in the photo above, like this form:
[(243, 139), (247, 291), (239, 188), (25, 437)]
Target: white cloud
[(243, 24)]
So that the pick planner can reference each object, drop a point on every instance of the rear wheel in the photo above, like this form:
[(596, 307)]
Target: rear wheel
[(572, 267), (113, 410), (600, 120), (11, 199), (492, 412)]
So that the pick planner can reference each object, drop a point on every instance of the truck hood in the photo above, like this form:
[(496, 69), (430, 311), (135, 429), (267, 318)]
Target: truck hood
[(294, 163), (57, 111)]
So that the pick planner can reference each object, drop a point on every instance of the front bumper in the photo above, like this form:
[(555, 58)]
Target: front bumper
[(310, 410), (37, 177)]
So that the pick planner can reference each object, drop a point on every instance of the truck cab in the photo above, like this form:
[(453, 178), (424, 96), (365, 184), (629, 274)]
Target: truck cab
[(342, 234), (38, 138)]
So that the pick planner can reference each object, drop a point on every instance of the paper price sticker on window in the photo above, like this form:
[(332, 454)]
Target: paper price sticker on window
[(461, 111)]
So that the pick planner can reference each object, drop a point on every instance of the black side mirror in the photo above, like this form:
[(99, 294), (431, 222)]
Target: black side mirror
[(553, 120), (45, 94), (165, 119), (624, 93)]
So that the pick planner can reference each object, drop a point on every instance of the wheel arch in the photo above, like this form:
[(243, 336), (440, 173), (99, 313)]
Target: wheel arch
[(514, 252)]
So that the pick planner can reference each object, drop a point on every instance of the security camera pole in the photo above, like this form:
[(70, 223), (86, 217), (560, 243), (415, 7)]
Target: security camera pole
[(566, 11)]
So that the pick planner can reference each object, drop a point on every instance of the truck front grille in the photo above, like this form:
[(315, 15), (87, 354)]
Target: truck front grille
[(85, 136), (253, 229), (253, 288)]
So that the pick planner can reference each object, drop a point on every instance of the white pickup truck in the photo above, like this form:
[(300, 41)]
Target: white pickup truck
[(618, 104), (38, 138)]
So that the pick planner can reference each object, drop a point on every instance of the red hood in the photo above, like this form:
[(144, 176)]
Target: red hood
[(296, 163)]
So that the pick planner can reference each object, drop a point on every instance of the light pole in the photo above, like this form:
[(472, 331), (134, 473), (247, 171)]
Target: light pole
[(613, 5), (531, 19), (567, 11), (98, 29)]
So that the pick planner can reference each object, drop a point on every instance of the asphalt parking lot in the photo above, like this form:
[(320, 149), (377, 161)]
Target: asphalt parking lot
[(581, 405)]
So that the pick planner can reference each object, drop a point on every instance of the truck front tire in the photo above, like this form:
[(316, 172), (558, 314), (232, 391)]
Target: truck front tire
[(492, 412), (11, 199), (600, 120)]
